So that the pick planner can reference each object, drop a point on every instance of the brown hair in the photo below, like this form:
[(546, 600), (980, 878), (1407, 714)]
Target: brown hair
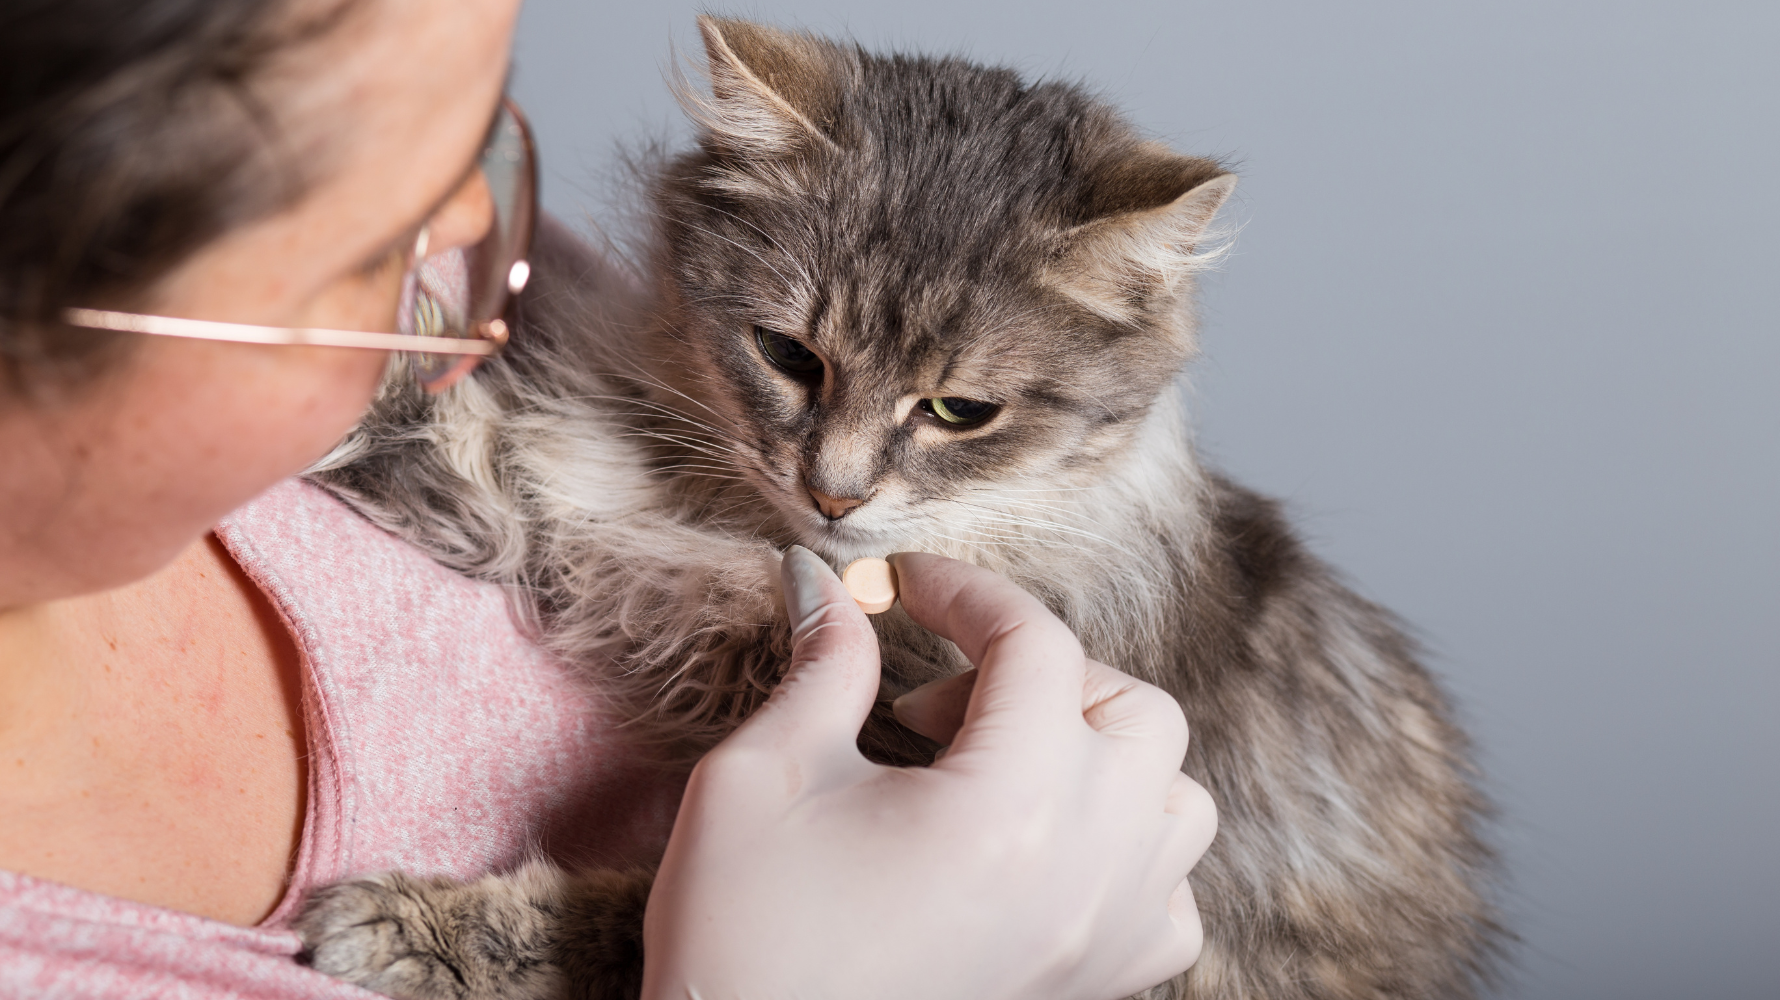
[(130, 136)]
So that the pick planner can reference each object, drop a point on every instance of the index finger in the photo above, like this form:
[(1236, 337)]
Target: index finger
[(1030, 666)]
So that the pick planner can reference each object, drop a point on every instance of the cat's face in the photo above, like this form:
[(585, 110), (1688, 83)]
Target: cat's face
[(873, 398), (928, 315)]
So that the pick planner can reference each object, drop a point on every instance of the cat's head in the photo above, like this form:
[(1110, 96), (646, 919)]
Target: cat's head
[(907, 290)]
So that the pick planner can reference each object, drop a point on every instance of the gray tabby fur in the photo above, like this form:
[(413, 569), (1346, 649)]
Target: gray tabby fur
[(633, 467)]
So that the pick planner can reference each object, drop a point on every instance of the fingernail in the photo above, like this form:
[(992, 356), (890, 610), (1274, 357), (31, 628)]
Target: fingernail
[(801, 574)]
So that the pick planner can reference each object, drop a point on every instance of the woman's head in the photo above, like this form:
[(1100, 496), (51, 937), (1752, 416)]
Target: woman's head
[(131, 134), (239, 160)]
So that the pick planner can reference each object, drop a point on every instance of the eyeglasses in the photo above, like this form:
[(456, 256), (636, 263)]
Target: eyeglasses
[(453, 303)]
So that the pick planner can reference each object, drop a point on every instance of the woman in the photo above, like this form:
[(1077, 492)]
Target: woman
[(199, 726)]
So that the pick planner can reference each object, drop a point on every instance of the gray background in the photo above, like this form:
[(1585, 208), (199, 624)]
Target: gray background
[(1501, 328)]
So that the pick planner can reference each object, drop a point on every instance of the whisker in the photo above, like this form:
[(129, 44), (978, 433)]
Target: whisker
[(1042, 526)]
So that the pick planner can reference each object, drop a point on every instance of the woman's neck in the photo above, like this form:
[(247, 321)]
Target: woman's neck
[(151, 741)]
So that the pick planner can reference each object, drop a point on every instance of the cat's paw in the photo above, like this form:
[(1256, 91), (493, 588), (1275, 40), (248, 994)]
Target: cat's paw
[(373, 932), (422, 939)]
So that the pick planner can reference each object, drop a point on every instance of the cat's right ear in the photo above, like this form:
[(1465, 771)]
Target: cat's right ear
[(1145, 249), (774, 94)]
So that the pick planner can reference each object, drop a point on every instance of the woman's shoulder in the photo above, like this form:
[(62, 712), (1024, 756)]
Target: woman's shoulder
[(301, 537), (443, 739)]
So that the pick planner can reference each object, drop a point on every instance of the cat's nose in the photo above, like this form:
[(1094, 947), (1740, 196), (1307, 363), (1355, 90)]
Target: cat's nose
[(833, 508)]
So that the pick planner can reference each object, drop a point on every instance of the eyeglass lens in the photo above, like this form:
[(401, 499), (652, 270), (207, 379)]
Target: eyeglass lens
[(463, 292)]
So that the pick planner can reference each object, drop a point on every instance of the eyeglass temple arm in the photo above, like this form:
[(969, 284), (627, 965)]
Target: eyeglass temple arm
[(490, 336)]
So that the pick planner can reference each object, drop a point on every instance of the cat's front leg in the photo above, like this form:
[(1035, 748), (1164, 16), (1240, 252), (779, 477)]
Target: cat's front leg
[(540, 932)]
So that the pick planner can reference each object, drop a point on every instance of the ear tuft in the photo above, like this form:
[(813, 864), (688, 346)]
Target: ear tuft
[(1117, 264), (773, 93)]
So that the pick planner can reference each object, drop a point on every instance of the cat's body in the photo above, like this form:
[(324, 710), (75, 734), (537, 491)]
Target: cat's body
[(862, 250)]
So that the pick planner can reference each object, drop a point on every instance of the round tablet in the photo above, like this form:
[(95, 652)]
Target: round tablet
[(872, 582)]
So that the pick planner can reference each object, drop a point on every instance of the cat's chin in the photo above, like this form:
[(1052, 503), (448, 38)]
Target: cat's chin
[(841, 542)]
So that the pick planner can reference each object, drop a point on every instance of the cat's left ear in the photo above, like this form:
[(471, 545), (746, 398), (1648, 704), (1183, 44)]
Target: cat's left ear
[(773, 93), (1119, 263)]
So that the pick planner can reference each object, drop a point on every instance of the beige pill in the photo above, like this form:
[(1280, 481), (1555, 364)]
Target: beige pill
[(872, 582)]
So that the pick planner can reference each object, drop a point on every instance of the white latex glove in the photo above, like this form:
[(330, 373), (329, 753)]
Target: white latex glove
[(1044, 856)]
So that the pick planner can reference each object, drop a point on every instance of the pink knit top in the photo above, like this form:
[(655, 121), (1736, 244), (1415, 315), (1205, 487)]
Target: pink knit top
[(441, 740)]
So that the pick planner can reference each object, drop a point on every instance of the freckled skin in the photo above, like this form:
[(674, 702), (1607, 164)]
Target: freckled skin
[(154, 738)]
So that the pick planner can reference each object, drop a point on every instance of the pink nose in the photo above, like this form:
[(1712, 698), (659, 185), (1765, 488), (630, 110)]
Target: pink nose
[(833, 508)]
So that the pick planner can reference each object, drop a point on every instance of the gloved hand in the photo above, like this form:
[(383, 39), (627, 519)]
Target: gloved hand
[(1044, 856)]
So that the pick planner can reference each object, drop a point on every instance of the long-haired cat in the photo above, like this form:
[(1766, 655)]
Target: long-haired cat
[(902, 303)]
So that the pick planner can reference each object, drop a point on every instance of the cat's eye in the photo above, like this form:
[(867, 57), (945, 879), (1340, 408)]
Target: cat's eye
[(786, 352), (959, 412)]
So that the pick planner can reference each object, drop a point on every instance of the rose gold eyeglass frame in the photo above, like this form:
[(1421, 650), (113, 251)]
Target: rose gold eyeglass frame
[(438, 360)]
